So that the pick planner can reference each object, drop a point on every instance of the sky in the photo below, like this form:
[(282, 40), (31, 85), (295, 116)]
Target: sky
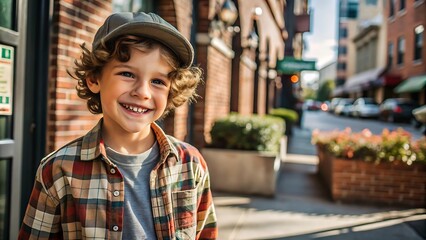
[(321, 41)]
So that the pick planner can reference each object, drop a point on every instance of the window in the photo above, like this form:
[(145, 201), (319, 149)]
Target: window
[(341, 66), (391, 8), (343, 33), (418, 42), (390, 54), (371, 2), (133, 6), (352, 9), (342, 50), (401, 50), (401, 5), (340, 81), (6, 13)]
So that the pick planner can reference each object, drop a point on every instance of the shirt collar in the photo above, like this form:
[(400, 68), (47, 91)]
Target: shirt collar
[(93, 145)]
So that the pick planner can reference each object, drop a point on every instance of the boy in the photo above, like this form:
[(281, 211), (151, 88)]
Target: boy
[(125, 179)]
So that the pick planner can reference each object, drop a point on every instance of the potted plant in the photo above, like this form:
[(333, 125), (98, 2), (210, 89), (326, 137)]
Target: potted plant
[(244, 154), (389, 168), (289, 116)]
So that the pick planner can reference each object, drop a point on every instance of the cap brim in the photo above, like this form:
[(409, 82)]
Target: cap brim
[(178, 44)]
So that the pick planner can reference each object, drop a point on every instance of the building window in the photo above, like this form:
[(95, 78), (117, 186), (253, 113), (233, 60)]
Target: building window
[(352, 9), (391, 8), (371, 2), (342, 50), (133, 5), (390, 54), (401, 50), (341, 66), (340, 81), (343, 33), (401, 5), (6, 13), (418, 42)]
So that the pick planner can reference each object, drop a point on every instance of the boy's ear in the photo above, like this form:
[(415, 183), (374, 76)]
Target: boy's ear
[(93, 84)]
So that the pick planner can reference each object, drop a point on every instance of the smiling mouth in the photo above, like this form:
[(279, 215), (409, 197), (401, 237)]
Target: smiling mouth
[(134, 109)]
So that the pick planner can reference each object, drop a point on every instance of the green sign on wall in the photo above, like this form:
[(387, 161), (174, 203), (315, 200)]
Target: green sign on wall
[(6, 79), (291, 65), (6, 53)]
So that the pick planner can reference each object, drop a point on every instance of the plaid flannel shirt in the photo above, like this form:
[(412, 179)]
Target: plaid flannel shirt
[(79, 193)]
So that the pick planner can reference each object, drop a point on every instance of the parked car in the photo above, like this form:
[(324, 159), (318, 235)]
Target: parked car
[(365, 107), (344, 106), (333, 104), (311, 105), (397, 110), (420, 118)]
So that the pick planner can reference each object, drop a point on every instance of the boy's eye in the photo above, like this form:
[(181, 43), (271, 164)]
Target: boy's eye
[(127, 74), (159, 81)]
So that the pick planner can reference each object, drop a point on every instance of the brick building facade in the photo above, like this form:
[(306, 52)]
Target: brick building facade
[(406, 20)]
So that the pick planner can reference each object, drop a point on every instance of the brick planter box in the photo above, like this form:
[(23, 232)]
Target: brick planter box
[(386, 183), (244, 172)]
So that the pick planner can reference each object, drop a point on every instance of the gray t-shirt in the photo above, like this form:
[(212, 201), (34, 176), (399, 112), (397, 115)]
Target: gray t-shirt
[(136, 169)]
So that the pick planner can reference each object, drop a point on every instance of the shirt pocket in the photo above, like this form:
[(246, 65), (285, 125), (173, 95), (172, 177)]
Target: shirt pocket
[(185, 213)]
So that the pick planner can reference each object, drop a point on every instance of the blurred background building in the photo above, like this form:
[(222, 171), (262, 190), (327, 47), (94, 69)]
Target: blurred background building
[(406, 42), (381, 50), (347, 14)]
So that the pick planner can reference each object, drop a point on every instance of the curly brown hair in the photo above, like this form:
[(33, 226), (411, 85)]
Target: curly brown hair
[(184, 81)]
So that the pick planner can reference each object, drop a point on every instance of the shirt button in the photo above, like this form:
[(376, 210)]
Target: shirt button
[(112, 170), (116, 193), (115, 228)]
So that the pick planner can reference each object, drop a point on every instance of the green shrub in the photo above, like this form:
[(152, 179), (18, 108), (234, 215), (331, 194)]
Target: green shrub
[(286, 114), (254, 132)]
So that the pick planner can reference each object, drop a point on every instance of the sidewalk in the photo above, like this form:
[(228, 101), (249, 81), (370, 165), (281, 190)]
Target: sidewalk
[(302, 209)]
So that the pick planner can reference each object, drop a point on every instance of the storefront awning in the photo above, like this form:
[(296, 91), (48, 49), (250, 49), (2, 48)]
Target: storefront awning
[(387, 80), (363, 80), (412, 84)]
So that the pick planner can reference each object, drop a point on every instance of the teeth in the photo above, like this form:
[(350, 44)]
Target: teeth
[(134, 109)]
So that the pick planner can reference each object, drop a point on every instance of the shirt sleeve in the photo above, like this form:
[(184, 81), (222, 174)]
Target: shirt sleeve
[(206, 215), (42, 217)]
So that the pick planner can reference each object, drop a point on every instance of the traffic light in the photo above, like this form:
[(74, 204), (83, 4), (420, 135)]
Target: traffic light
[(294, 78)]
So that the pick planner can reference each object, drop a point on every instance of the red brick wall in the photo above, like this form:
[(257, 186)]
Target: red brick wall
[(245, 101), (261, 102), (179, 14), (199, 106), (215, 92), (74, 22), (218, 85), (384, 183), (403, 24)]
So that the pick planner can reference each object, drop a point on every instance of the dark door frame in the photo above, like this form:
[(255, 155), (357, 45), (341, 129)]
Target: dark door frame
[(31, 42)]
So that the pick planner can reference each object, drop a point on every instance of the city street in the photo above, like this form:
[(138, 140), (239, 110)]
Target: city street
[(328, 121), (302, 208)]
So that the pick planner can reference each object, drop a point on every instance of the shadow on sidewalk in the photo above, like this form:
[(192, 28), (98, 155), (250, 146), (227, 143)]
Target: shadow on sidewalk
[(302, 208), (385, 229)]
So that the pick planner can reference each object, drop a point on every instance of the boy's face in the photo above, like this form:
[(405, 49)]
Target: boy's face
[(134, 93)]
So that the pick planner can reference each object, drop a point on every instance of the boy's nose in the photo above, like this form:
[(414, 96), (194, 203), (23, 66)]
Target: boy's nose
[(142, 90)]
